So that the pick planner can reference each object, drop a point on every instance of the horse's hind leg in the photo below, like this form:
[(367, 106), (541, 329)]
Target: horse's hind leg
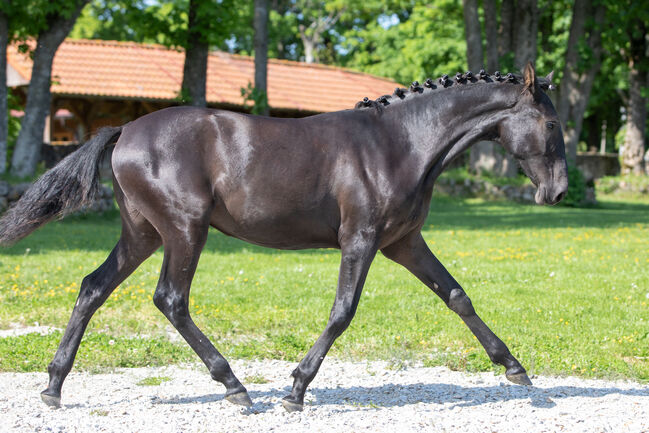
[(137, 242), (413, 253), (181, 252)]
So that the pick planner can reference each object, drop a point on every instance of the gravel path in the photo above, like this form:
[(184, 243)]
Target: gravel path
[(344, 397)]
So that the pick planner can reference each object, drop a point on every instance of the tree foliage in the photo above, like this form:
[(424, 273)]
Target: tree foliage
[(424, 40), (160, 21)]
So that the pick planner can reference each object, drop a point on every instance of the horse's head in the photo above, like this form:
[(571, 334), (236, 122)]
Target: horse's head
[(532, 133)]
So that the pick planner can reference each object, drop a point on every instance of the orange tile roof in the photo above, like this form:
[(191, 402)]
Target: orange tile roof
[(153, 72)]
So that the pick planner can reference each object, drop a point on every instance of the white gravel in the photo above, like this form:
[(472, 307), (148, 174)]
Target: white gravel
[(344, 397), (17, 329)]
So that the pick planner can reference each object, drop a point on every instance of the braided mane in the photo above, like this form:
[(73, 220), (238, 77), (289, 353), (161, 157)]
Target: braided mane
[(443, 82)]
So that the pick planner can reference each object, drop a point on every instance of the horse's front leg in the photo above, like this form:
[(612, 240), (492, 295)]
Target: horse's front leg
[(358, 251), (413, 253)]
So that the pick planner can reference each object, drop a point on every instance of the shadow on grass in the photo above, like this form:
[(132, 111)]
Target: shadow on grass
[(101, 232), (449, 213), (394, 395)]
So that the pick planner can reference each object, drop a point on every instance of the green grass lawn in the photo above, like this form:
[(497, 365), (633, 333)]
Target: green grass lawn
[(567, 290)]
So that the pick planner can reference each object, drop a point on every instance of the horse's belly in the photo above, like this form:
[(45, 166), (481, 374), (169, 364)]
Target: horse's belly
[(300, 230)]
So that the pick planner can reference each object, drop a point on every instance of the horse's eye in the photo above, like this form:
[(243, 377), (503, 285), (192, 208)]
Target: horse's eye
[(549, 125)]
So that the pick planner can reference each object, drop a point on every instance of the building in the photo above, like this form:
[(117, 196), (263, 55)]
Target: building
[(97, 83)]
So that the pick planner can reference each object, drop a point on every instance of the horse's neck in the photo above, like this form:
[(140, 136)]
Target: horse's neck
[(442, 125)]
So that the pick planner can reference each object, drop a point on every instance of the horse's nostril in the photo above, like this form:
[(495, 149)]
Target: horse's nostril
[(560, 197)]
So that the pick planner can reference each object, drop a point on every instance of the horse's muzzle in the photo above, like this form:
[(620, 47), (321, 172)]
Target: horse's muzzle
[(550, 196)]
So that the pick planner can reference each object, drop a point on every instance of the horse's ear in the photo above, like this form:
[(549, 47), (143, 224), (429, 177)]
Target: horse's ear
[(550, 76), (546, 83), (529, 75)]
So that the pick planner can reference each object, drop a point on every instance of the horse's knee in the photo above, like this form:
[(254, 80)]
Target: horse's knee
[(460, 303)]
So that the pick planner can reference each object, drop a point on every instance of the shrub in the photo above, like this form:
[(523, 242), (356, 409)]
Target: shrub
[(576, 195)]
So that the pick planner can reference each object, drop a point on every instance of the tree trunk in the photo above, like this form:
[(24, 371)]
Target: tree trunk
[(491, 157), (310, 37), (646, 155), (261, 51), (196, 55), (473, 35), (28, 145), (309, 48), (546, 31), (577, 82), (634, 140), (526, 25), (505, 28), (491, 32), (4, 120), (485, 156)]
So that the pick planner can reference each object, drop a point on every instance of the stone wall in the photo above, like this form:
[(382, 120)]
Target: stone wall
[(52, 155), (485, 189), (597, 165), (11, 193)]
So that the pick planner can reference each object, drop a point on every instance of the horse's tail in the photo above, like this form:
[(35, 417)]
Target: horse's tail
[(71, 184)]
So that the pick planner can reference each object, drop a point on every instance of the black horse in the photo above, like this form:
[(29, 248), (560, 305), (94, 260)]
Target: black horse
[(360, 180)]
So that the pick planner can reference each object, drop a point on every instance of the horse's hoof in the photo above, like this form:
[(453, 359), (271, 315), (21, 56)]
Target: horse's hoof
[(51, 400), (240, 398), (519, 379), (291, 406)]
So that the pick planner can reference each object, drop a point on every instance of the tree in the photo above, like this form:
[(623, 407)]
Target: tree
[(196, 55), (526, 24), (209, 24), (315, 18), (473, 35), (491, 34), (4, 120), (517, 31), (582, 61), (51, 22), (261, 55), (149, 21), (505, 28), (489, 156), (415, 42), (636, 54)]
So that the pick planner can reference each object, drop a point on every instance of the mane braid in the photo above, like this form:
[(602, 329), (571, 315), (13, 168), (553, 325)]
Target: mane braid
[(460, 79)]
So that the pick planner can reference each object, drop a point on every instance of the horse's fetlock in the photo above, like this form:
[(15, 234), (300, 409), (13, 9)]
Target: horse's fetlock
[(460, 303), (54, 368), (498, 353)]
